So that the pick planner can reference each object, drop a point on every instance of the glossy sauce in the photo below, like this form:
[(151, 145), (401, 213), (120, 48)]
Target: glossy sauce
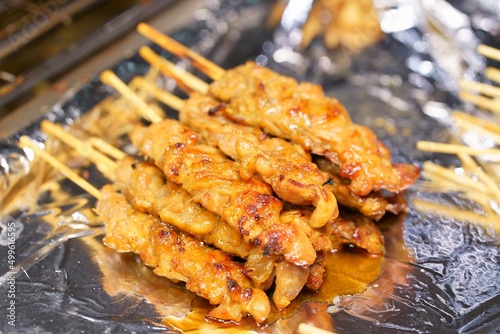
[(348, 272)]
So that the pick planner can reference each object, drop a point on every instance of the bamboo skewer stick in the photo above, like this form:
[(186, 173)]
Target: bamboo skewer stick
[(109, 78), (483, 131), (489, 125), (169, 99), (489, 52), (106, 148), (93, 152), (492, 74), (304, 328), (481, 101), (447, 174), (470, 164), (170, 69), (84, 149), (209, 68), (454, 149), (448, 211), (480, 87), (160, 94), (25, 142)]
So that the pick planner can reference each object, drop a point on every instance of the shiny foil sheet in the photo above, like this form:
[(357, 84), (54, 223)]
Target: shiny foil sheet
[(440, 274)]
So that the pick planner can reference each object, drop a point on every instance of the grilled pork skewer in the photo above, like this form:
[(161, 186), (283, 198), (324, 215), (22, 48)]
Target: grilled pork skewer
[(315, 275), (178, 256), (303, 114), (259, 268), (145, 187), (208, 272), (293, 177)]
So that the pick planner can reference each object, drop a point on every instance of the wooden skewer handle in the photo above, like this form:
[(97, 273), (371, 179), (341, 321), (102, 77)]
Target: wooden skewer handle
[(109, 78), (489, 52), (453, 149), (206, 66), (168, 68), (25, 142)]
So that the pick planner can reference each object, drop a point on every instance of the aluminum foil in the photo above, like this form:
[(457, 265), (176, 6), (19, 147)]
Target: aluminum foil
[(441, 274)]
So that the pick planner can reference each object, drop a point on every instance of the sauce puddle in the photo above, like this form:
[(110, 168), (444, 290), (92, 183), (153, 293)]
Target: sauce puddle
[(348, 272)]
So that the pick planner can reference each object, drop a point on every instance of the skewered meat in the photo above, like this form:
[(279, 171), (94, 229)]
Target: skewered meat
[(247, 206), (214, 181), (288, 169), (146, 188), (180, 257), (353, 229), (303, 114), (317, 272), (374, 205), (348, 228)]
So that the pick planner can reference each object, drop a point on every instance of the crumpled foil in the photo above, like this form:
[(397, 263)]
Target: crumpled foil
[(441, 274)]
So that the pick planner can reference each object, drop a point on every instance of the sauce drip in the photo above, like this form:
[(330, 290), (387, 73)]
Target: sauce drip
[(348, 272)]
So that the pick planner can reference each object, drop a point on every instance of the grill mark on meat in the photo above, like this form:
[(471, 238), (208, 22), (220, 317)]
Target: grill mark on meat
[(232, 285), (174, 170), (329, 181), (246, 295), (214, 110)]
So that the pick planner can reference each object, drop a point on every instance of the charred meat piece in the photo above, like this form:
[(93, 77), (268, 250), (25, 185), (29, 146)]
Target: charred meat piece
[(290, 280), (203, 114), (358, 230), (349, 228), (247, 205), (145, 187)]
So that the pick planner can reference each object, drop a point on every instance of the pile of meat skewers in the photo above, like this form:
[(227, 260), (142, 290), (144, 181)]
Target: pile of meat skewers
[(242, 194)]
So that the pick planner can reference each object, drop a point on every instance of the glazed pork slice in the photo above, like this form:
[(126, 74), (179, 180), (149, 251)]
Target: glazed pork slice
[(301, 113), (208, 272), (347, 229), (247, 205)]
